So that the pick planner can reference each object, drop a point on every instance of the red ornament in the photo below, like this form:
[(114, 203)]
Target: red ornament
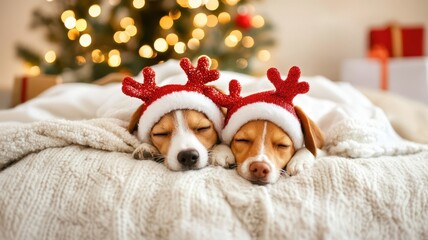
[(243, 21)]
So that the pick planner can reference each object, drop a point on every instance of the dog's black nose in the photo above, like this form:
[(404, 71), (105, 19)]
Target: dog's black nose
[(188, 157)]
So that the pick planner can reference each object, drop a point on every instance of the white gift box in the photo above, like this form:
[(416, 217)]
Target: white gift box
[(406, 76)]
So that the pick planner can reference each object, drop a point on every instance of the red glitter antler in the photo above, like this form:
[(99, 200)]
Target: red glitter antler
[(222, 99), (201, 74), (143, 91), (289, 87)]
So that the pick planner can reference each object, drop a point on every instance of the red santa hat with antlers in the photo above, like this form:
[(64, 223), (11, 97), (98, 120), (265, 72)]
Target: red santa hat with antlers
[(275, 106), (160, 100)]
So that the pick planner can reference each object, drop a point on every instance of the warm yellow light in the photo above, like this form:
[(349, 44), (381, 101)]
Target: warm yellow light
[(248, 42), (180, 47), (183, 3), (124, 38), (34, 71), (212, 5), (242, 63), (80, 60), (232, 2), (131, 30), (50, 56), (81, 25), (73, 34), (113, 52), (114, 61), (200, 20), (113, 2), (212, 20), (145, 51), (172, 39), (195, 3), (70, 22), (231, 41), (161, 45), (263, 55), (138, 4), (66, 14), (97, 56), (198, 33), (116, 37), (258, 21), (166, 22), (237, 34), (126, 21), (224, 17), (214, 63), (193, 44), (94, 10), (175, 14), (85, 40)]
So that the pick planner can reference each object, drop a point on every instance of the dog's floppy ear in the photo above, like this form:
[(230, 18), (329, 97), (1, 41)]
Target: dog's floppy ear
[(314, 137), (133, 123)]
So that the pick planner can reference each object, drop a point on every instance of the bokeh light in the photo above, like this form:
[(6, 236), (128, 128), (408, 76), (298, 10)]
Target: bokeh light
[(200, 20), (94, 10), (50, 56), (85, 40), (145, 51), (224, 17), (138, 4), (180, 47), (166, 22), (160, 45), (263, 55)]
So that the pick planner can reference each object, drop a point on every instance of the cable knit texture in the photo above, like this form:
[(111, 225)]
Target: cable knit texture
[(18, 140), (82, 193), (77, 180)]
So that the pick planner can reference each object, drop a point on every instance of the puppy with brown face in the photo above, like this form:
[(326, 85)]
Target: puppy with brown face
[(262, 149), (179, 124), (267, 133)]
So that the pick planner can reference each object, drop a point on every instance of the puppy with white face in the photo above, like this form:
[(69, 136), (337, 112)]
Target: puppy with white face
[(262, 150), (184, 140), (179, 124)]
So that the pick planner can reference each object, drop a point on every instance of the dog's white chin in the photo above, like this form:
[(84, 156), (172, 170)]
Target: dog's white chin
[(244, 170), (185, 141)]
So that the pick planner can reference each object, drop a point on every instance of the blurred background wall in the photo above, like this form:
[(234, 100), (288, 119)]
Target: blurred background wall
[(316, 35)]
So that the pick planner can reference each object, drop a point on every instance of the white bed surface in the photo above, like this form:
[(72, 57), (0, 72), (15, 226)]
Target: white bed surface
[(75, 178)]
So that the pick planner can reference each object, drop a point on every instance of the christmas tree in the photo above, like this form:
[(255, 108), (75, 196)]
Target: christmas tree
[(97, 37)]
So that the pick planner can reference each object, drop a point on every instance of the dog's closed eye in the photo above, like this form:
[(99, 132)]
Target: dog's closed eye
[(282, 146), (202, 129), (242, 140), (161, 134)]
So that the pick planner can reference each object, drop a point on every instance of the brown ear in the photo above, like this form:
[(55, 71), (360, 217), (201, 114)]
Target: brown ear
[(314, 137), (133, 123)]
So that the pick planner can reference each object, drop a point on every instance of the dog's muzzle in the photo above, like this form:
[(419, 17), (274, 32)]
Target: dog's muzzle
[(188, 158)]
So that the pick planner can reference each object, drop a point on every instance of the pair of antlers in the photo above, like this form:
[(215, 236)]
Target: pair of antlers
[(198, 76)]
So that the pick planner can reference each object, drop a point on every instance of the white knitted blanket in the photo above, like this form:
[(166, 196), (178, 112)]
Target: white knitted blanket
[(64, 179), (72, 182)]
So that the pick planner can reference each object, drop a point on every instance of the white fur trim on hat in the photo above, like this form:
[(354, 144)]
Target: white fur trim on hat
[(175, 101), (264, 111)]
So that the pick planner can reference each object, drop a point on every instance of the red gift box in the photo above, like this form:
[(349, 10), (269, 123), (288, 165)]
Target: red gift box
[(26, 88), (400, 41)]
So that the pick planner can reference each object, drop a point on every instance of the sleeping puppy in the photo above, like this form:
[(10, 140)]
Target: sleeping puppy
[(267, 132), (179, 124), (262, 149), (183, 140)]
